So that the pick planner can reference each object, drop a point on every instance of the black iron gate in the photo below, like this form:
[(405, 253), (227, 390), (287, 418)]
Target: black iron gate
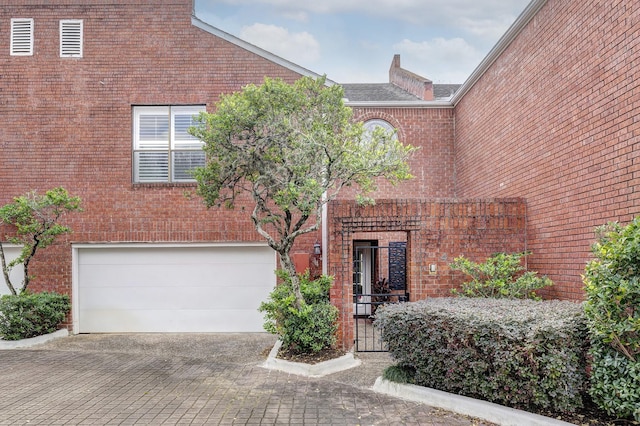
[(367, 337), (379, 277)]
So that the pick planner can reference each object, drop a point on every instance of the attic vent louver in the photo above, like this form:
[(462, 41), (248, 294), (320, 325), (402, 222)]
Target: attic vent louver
[(21, 37), (71, 39)]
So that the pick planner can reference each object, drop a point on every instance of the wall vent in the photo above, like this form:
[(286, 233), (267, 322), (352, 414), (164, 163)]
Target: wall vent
[(71, 39), (21, 37)]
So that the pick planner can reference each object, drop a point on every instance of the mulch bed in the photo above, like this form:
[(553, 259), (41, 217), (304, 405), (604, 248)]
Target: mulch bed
[(589, 415), (314, 358)]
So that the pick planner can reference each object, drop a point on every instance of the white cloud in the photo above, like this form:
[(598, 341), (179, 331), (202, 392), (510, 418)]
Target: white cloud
[(302, 46), (440, 60), (490, 29), (476, 16), (299, 16), (354, 40)]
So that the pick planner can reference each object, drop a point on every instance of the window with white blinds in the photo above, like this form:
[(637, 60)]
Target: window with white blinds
[(21, 37), (71, 38), (163, 150)]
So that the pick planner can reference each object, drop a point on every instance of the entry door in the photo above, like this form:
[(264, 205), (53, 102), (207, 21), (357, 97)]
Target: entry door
[(362, 276)]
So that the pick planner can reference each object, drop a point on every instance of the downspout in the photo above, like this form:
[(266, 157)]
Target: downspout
[(455, 156), (325, 239)]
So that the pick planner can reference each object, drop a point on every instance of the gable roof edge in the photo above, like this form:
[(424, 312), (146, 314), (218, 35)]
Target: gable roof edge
[(195, 21), (514, 30)]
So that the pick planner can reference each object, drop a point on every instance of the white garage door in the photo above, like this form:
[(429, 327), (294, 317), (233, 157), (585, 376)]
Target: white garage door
[(171, 289), (17, 273)]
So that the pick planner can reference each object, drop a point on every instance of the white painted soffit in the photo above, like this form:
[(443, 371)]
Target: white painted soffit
[(255, 49), (529, 12)]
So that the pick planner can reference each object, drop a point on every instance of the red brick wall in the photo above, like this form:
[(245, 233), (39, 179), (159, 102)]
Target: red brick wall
[(552, 121), (68, 122), (430, 129), (436, 232), (418, 86), (555, 120)]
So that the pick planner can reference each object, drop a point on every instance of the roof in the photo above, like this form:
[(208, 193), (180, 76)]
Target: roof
[(444, 92), (387, 92), (384, 92)]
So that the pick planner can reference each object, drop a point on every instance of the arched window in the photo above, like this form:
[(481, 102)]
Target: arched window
[(370, 125)]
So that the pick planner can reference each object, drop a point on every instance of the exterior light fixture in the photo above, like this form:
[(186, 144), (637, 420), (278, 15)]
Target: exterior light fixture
[(317, 248)]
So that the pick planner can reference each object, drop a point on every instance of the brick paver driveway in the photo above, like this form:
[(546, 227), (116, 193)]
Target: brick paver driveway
[(183, 379)]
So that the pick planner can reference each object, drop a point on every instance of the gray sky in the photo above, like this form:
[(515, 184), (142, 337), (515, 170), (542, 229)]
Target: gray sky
[(353, 41)]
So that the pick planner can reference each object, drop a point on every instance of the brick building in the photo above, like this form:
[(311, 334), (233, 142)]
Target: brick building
[(107, 121), (535, 149), (551, 115)]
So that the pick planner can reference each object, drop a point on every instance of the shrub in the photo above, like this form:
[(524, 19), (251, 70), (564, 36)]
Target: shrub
[(520, 353), (612, 284), (500, 276), (614, 382), (309, 328), (31, 314), (399, 374)]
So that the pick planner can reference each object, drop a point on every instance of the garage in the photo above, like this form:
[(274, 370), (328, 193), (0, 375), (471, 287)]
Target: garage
[(12, 251), (170, 288)]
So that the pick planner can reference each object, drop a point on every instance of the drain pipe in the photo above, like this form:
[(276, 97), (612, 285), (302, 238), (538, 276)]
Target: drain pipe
[(325, 238)]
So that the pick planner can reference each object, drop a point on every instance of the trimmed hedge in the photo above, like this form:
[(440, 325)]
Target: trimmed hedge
[(519, 353), (31, 314)]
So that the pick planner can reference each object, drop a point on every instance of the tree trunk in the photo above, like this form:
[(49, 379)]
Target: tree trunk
[(287, 265), (5, 271)]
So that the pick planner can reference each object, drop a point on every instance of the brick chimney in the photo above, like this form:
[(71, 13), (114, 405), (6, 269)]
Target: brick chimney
[(412, 83)]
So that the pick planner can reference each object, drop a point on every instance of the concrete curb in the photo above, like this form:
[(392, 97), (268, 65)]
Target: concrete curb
[(25, 343), (320, 369), (484, 410)]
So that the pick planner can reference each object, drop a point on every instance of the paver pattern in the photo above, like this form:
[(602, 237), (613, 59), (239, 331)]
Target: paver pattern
[(156, 379)]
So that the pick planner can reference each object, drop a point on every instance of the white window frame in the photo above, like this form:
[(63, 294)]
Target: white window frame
[(163, 147), (71, 38), (21, 37), (370, 125)]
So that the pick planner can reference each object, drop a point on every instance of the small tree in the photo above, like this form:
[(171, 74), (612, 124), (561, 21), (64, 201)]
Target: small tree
[(36, 222), (292, 147)]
